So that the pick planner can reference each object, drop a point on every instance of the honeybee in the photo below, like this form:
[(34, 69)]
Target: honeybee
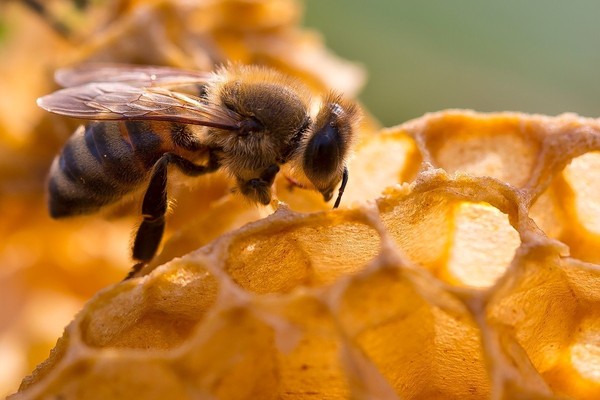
[(246, 120)]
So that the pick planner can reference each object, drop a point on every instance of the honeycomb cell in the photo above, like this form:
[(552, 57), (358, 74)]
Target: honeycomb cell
[(160, 317), (540, 306), (464, 243), (109, 378), (568, 211), (577, 373), (421, 226), (483, 245), (585, 350), (547, 214), (583, 175), (582, 207), (503, 148), (314, 366), (385, 159), (309, 252), (422, 350), (234, 356)]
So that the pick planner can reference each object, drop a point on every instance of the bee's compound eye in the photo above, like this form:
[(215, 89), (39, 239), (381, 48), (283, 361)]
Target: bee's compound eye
[(323, 157)]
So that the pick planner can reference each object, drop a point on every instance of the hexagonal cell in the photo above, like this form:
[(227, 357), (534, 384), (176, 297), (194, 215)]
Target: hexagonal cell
[(111, 376), (463, 243), (483, 245), (310, 251), (586, 189), (313, 367), (422, 350), (578, 373), (421, 227), (546, 212), (541, 308), (502, 147), (568, 209), (158, 315), (233, 357), (391, 158), (581, 375), (583, 207)]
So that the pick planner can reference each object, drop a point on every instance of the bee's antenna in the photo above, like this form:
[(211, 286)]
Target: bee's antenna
[(342, 187)]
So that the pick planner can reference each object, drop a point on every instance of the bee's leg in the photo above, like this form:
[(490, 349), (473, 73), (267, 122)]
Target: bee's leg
[(154, 206), (259, 189), (134, 270)]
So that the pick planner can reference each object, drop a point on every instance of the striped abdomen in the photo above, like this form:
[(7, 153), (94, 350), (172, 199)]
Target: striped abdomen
[(100, 163)]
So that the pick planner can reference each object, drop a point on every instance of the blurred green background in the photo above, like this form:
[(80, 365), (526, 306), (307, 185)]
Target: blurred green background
[(539, 56)]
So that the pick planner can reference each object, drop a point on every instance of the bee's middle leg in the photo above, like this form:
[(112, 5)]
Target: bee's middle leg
[(259, 189), (154, 206)]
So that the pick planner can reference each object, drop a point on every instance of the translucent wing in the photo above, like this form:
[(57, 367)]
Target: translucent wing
[(134, 75), (120, 98)]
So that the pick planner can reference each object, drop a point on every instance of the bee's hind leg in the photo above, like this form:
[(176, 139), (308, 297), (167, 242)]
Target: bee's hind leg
[(154, 206)]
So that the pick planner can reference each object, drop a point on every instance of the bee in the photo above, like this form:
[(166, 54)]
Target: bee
[(246, 120)]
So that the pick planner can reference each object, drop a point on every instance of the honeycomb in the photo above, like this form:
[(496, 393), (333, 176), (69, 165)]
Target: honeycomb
[(463, 264), (463, 267)]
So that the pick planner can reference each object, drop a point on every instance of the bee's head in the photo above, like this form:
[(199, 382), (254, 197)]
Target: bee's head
[(327, 145)]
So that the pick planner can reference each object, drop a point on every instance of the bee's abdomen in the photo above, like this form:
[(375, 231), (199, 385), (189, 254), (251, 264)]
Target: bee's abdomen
[(99, 164)]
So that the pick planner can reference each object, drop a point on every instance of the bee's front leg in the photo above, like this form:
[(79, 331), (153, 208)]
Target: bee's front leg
[(259, 189)]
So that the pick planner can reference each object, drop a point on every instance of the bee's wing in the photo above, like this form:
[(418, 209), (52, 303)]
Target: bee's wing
[(119, 101), (134, 75)]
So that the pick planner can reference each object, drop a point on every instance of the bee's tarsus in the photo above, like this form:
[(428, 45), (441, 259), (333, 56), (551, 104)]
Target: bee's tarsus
[(134, 270)]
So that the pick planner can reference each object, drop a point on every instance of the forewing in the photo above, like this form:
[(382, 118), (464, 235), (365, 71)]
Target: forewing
[(133, 75), (118, 101)]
